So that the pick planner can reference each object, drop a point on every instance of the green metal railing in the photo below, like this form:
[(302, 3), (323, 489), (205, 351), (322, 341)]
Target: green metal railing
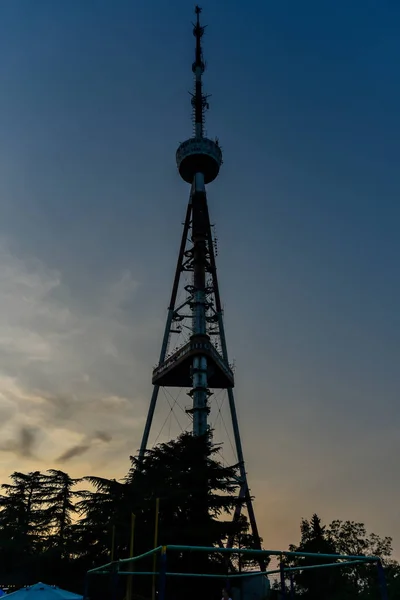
[(113, 568)]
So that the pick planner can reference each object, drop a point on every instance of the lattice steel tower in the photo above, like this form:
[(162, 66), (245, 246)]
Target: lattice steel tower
[(202, 363)]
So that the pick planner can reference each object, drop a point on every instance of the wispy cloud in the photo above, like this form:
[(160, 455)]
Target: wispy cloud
[(22, 444), (68, 366), (73, 452), (79, 449)]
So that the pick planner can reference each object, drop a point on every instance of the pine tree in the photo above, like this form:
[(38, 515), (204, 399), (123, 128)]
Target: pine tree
[(23, 526), (101, 511), (318, 583), (58, 497), (197, 496), (22, 512), (195, 491)]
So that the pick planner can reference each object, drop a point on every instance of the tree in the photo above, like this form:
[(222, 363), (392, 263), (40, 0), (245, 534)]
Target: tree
[(342, 583), (58, 497), (101, 510), (197, 498), (21, 510), (351, 537), (314, 539), (392, 572), (197, 494), (23, 526)]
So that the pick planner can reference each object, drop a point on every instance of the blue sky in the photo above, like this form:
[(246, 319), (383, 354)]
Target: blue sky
[(305, 101)]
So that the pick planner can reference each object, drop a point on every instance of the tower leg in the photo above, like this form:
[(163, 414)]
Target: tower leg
[(244, 491), (242, 470), (149, 421), (167, 330)]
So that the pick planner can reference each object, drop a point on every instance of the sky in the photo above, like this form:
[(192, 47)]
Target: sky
[(94, 102)]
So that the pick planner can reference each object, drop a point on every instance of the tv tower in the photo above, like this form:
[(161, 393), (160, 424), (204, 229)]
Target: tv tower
[(201, 363)]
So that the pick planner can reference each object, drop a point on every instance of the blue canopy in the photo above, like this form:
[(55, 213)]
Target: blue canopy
[(42, 591)]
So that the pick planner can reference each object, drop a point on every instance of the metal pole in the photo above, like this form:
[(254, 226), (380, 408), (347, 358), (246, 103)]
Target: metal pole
[(131, 566), (163, 574), (114, 583), (112, 543), (240, 554), (382, 581), (291, 587), (283, 587), (133, 517), (153, 593), (279, 553), (86, 588)]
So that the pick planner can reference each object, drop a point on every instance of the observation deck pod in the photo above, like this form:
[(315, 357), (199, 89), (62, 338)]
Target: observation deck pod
[(176, 371), (199, 155)]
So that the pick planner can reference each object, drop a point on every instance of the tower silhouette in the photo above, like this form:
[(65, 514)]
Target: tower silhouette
[(201, 363)]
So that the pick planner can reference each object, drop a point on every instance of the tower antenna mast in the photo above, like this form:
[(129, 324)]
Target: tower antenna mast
[(199, 100)]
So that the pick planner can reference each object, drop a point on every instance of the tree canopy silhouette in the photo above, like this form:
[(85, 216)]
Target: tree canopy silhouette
[(48, 525), (342, 583), (54, 526)]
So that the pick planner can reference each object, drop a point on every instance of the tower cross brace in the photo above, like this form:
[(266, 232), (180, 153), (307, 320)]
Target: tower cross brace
[(202, 363)]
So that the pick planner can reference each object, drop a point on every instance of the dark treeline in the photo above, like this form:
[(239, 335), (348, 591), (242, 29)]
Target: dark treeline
[(54, 528)]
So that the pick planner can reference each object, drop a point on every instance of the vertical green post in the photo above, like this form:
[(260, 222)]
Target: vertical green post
[(240, 554), (86, 588), (129, 581), (153, 591), (291, 587), (112, 543), (282, 573), (382, 581), (114, 582), (163, 574)]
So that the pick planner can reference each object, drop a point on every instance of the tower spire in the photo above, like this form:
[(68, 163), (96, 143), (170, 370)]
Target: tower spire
[(198, 358), (199, 100)]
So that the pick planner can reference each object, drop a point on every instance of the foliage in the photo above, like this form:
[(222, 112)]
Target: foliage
[(314, 539), (197, 494), (58, 495), (334, 583), (51, 526), (36, 513)]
